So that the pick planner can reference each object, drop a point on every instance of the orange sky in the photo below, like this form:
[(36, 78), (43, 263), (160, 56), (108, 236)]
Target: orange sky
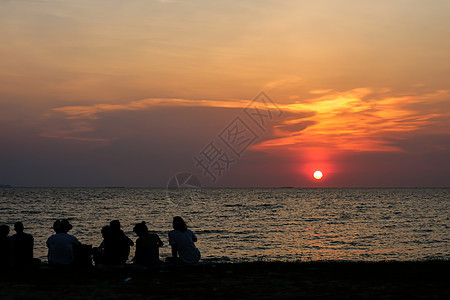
[(130, 92)]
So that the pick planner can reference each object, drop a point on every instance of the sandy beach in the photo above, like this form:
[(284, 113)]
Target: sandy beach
[(257, 280)]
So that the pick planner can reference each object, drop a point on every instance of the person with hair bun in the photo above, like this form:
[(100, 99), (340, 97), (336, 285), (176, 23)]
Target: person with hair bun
[(182, 241), (147, 246)]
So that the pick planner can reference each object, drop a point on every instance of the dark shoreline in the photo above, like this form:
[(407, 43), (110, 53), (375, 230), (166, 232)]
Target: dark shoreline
[(253, 280)]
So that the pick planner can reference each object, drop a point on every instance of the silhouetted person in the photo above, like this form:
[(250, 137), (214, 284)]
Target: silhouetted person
[(99, 252), (6, 247), (147, 246), (23, 246), (182, 241), (116, 245), (61, 244)]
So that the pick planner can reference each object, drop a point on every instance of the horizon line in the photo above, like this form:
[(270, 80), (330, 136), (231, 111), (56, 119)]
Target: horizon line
[(228, 187)]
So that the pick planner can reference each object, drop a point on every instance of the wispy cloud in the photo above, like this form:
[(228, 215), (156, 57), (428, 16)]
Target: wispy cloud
[(79, 120), (77, 131), (357, 120), (94, 111), (354, 120), (282, 83), (319, 92)]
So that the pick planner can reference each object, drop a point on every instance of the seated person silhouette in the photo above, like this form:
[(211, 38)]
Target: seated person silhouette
[(147, 246), (116, 245), (6, 248), (23, 247), (61, 244), (99, 252), (182, 241)]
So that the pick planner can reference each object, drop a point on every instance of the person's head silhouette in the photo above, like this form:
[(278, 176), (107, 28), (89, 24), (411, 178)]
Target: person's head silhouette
[(18, 227), (62, 226), (57, 226), (65, 226), (179, 224), (114, 225), (140, 229), (106, 230), (4, 230)]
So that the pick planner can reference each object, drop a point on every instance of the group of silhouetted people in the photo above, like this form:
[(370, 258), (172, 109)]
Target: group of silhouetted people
[(16, 250), (115, 247), (64, 249)]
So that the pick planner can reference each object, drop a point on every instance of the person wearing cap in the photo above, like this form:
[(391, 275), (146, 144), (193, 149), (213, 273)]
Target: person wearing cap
[(60, 245)]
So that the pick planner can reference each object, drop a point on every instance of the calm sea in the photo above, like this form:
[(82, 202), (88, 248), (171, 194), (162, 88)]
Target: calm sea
[(251, 224)]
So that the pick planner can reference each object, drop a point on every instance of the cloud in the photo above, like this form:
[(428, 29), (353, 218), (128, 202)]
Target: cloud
[(357, 120), (81, 122), (283, 83), (93, 111), (318, 92)]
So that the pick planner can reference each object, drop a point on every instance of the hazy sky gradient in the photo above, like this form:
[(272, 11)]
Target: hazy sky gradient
[(114, 93)]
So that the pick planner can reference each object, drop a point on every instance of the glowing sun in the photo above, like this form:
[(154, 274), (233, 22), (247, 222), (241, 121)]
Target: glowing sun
[(318, 175)]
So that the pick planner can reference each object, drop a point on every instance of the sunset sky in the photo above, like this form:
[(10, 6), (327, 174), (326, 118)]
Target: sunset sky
[(129, 93)]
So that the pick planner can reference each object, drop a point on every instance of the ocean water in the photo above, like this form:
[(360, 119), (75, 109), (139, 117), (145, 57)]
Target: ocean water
[(251, 224)]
